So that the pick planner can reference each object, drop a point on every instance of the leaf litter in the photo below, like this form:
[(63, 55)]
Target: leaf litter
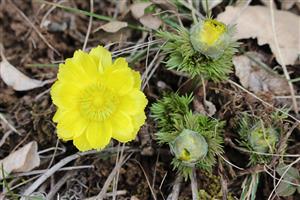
[(255, 22)]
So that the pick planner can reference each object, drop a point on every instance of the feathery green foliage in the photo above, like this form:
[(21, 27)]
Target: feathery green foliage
[(167, 112), (183, 57), (260, 137), (173, 116)]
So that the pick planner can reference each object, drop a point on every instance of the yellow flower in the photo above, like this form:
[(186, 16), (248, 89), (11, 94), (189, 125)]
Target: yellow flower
[(210, 37), (189, 146), (211, 31), (97, 100)]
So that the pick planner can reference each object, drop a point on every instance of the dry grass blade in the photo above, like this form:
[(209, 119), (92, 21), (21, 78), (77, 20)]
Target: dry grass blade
[(264, 102), (89, 26), (59, 184), (111, 176), (277, 184), (176, 188), (34, 28), (56, 167), (147, 179), (282, 61), (9, 124), (194, 185)]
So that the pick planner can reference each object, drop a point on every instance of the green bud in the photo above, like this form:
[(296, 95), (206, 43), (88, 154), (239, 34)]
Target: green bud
[(210, 37), (261, 140), (189, 146)]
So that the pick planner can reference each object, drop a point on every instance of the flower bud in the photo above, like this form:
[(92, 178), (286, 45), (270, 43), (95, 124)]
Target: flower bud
[(261, 140), (189, 146), (210, 37)]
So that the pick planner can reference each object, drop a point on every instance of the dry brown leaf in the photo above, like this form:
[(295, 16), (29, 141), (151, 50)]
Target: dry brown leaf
[(208, 109), (287, 4), (268, 3), (151, 21), (255, 22), (113, 26), (211, 4), (16, 79), (256, 79), (22, 160), (138, 9)]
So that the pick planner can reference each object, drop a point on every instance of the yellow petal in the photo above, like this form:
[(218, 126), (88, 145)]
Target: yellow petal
[(122, 127), (82, 143), (71, 125), (59, 114), (101, 56), (120, 80), (85, 61), (137, 79), (120, 63), (138, 120), (72, 73), (133, 102), (64, 95), (98, 134)]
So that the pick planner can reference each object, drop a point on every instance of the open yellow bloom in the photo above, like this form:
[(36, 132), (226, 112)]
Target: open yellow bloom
[(211, 31), (210, 37), (97, 100)]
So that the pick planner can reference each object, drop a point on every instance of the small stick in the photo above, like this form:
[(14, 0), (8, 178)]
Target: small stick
[(59, 184), (176, 188), (35, 29), (89, 26), (194, 185), (111, 176), (55, 168)]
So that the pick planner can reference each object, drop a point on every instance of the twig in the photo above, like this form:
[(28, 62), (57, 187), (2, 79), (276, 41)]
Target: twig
[(176, 188), (118, 173), (49, 12), (264, 102), (147, 78), (282, 61), (224, 182), (34, 28), (9, 124), (111, 176), (42, 171), (194, 185), (56, 167), (147, 179), (59, 184), (7, 133), (287, 169), (89, 26), (120, 192)]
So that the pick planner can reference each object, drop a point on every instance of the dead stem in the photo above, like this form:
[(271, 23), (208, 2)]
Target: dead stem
[(194, 185), (282, 61)]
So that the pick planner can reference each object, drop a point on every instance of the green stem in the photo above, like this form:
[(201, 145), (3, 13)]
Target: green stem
[(101, 17)]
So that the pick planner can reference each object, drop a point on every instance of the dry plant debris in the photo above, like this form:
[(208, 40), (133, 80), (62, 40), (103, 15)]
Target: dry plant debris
[(255, 22), (257, 79), (24, 159), (16, 79)]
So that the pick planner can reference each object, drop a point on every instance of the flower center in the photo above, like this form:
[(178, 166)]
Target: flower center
[(211, 31), (97, 102)]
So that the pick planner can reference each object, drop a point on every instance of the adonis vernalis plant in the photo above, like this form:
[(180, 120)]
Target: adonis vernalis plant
[(206, 49), (194, 139), (97, 99)]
